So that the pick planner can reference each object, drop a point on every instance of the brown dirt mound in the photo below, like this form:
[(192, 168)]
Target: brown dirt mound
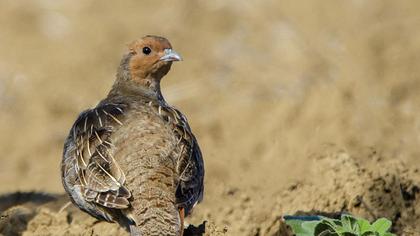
[(263, 84), (41, 214), (367, 186)]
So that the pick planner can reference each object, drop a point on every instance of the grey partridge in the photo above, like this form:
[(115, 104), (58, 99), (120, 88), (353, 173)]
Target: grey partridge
[(133, 158)]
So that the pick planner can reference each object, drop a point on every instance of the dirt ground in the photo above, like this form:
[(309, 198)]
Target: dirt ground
[(307, 108)]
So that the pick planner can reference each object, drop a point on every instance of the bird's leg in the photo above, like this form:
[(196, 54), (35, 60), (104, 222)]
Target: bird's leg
[(182, 215)]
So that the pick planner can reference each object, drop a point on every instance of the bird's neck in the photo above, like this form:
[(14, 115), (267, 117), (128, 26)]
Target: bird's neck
[(138, 83), (138, 88)]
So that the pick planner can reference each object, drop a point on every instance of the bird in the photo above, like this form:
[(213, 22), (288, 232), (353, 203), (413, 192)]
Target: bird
[(133, 158)]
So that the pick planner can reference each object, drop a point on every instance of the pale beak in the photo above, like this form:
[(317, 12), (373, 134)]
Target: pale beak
[(170, 55)]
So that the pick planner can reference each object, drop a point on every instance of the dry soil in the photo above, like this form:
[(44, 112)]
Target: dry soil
[(308, 107)]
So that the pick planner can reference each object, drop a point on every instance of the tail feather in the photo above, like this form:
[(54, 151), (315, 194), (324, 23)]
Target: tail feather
[(112, 201)]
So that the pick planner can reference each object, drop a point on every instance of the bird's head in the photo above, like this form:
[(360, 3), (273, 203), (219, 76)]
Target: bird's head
[(148, 60)]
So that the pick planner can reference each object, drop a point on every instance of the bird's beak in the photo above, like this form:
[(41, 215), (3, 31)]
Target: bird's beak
[(170, 55)]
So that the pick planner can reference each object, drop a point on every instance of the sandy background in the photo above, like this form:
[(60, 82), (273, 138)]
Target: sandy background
[(296, 106)]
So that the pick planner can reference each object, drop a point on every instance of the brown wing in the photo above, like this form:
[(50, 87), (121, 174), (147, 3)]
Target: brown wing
[(190, 166), (90, 173)]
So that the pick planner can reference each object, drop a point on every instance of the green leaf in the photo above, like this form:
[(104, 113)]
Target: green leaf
[(381, 225), (296, 226), (370, 233), (309, 226), (389, 234), (326, 227), (302, 228), (349, 224), (364, 226), (349, 234), (331, 222)]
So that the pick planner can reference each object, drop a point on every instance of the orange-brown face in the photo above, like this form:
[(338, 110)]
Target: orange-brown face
[(152, 57)]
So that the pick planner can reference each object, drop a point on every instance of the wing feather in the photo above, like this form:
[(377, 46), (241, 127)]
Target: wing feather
[(189, 165), (93, 170)]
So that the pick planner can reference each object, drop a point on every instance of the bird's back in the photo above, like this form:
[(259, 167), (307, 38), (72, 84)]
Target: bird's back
[(133, 158), (144, 147)]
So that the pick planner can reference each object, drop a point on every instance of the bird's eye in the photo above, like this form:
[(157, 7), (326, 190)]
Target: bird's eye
[(147, 50)]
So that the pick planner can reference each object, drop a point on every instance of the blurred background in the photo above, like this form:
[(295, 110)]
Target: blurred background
[(264, 84)]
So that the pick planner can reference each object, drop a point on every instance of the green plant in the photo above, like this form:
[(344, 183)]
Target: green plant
[(346, 226)]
